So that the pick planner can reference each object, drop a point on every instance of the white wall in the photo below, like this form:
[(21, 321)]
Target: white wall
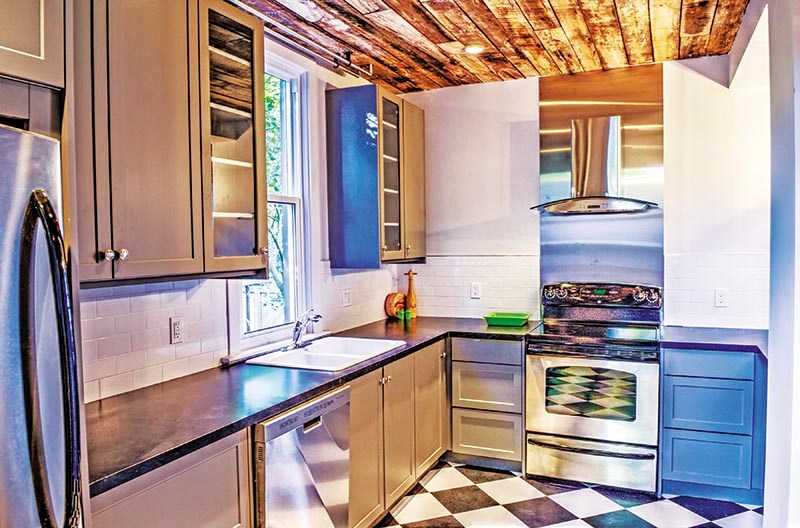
[(717, 192), (482, 177), (782, 508), (482, 168)]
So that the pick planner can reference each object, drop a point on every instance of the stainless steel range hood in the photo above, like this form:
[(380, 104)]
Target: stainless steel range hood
[(596, 161)]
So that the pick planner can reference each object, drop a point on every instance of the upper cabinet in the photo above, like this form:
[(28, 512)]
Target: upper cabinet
[(376, 183), (175, 182), (32, 41), (234, 180)]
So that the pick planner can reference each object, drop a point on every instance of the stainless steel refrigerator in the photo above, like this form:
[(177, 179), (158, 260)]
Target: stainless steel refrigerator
[(40, 408)]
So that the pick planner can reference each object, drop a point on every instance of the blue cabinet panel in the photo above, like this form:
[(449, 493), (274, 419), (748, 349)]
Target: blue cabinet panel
[(707, 404), (708, 364), (707, 458)]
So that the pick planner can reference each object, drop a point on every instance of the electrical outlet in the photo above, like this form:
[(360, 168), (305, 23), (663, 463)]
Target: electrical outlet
[(347, 297), (175, 330), (474, 290), (720, 297)]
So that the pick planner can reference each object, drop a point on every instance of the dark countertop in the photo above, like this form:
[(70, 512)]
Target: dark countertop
[(136, 432), (723, 339)]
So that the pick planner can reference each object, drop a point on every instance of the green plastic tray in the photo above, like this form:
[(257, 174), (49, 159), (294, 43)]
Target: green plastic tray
[(507, 318)]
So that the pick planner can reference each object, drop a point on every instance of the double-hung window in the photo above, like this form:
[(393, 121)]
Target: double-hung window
[(263, 310)]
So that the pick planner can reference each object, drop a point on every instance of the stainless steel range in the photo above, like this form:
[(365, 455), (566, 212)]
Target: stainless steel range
[(593, 385)]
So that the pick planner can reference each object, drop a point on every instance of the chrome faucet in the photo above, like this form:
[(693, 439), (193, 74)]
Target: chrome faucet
[(300, 325)]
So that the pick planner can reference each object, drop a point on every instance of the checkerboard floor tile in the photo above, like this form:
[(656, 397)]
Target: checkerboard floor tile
[(453, 495)]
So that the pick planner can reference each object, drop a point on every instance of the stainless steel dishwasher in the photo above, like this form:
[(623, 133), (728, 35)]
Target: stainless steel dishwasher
[(303, 465)]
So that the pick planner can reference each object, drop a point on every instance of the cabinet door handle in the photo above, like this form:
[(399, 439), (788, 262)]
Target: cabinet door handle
[(109, 255), (388, 379), (264, 251), (408, 247), (443, 355), (124, 254)]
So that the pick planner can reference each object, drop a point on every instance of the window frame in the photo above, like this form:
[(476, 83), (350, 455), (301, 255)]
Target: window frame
[(299, 188)]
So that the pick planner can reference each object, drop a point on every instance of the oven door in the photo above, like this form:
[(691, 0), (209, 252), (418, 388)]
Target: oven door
[(598, 399)]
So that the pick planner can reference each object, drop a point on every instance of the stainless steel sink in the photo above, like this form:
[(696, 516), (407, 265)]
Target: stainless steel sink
[(330, 354)]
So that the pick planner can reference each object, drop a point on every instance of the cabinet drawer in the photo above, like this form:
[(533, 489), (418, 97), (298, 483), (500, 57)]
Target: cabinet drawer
[(488, 434), (487, 351), (706, 404), (708, 364), (707, 458), (488, 387)]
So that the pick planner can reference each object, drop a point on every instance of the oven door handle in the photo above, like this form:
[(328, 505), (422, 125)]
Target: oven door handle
[(593, 452)]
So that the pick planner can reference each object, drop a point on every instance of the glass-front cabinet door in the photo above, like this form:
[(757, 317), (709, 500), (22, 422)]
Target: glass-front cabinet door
[(390, 152), (234, 180)]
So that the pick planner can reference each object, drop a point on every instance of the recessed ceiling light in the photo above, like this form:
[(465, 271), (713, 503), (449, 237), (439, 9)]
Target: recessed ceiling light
[(473, 49)]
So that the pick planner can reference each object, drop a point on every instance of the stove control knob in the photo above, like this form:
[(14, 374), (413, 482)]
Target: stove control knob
[(549, 293), (639, 295), (653, 296), (561, 293)]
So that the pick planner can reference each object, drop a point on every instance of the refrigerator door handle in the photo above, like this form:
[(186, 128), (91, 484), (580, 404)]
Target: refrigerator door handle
[(41, 209)]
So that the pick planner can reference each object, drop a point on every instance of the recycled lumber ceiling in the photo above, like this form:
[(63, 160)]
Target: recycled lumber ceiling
[(419, 44)]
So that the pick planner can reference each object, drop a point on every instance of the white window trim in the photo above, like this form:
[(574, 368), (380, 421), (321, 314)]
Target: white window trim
[(237, 342)]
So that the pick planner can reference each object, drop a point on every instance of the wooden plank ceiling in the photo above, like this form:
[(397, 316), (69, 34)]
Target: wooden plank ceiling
[(419, 44)]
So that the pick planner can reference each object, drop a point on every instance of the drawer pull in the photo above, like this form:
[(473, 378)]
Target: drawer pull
[(593, 452)]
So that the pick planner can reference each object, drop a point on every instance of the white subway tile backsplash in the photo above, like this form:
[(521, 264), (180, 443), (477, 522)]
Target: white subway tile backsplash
[(126, 333), (91, 391), (114, 385), (159, 355), (99, 368), (690, 280), (132, 361), (176, 369), (113, 306), (509, 283), (129, 322), (148, 376), (114, 345), (146, 339), (96, 328)]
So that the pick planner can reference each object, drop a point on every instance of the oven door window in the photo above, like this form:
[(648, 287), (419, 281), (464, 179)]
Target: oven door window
[(591, 392)]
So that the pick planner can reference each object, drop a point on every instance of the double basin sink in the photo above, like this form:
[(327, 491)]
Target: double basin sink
[(330, 354)]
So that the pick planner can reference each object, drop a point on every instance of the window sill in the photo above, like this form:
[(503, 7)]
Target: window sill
[(274, 346)]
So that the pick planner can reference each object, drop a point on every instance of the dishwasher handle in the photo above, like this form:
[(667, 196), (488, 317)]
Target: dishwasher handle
[(304, 416)]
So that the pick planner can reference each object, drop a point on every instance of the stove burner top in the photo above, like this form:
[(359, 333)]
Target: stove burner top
[(596, 333)]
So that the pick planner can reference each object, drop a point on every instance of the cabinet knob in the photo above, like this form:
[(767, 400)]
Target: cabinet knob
[(443, 355), (264, 251), (388, 379), (124, 254), (109, 255), (408, 247)]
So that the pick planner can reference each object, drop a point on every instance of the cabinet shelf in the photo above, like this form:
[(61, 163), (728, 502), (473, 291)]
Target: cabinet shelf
[(228, 56), (390, 125), (390, 158), (238, 216), (391, 224), (235, 163), (391, 191), (233, 111)]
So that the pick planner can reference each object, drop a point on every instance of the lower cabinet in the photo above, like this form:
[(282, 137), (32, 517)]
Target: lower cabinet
[(207, 489), (487, 394), (713, 427), (366, 449), (398, 430), (398, 427), (431, 413)]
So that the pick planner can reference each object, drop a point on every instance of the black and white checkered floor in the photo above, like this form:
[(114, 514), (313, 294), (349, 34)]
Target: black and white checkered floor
[(454, 495)]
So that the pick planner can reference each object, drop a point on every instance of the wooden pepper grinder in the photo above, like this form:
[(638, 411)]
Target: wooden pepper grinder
[(411, 296)]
